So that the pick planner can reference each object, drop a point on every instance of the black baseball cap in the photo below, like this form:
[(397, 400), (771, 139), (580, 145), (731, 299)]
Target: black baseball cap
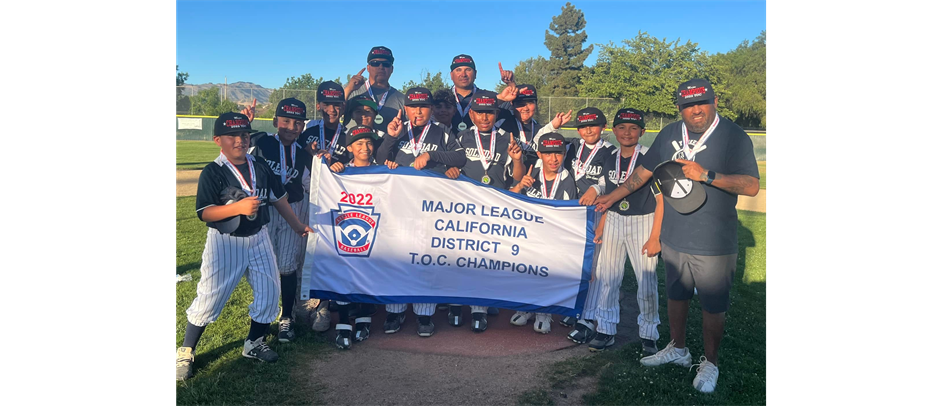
[(695, 90), (228, 123), (484, 100), (361, 131), (229, 195), (380, 52), (462, 60), (552, 142), (633, 116), (590, 116), (683, 194), (291, 108), (418, 96), (330, 92), (526, 92)]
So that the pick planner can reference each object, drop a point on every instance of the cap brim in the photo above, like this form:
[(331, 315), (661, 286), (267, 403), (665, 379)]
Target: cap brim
[(687, 204), (228, 225), (552, 150), (481, 108), (243, 130)]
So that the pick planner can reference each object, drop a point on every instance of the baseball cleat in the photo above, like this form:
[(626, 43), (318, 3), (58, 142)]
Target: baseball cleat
[(648, 346), (478, 322), (393, 322), (344, 335), (184, 363), (582, 333), (426, 327), (601, 342), (285, 332), (542, 323), (520, 318), (668, 355), (259, 350), (707, 375), (567, 321), (454, 315), (363, 328)]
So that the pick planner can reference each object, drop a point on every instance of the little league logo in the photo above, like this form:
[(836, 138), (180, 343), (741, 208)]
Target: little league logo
[(354, 230)]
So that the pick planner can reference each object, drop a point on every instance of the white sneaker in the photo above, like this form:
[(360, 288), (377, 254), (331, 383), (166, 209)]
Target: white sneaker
[(707, 375), (520, 318), (542, 323), (668, 356)]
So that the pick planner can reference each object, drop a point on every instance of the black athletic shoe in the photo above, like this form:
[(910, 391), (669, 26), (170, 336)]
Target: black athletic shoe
[(426, 327), (478, 322), (394, 322), (581, 334), (601, 342), (363, 328), (568, 321), (259, 350), (344, 336), (454, 315), (285, 331)]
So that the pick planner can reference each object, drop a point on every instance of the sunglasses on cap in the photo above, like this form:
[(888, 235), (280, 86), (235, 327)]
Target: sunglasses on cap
[(376, 64)]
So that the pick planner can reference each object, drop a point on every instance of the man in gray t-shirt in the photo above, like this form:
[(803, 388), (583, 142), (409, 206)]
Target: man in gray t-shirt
[(700, 247), (390, 101)]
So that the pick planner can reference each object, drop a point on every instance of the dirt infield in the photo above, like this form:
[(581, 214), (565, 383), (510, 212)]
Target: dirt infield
[(186, 186)]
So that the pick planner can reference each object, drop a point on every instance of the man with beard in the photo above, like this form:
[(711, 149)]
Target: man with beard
[(388, 100)]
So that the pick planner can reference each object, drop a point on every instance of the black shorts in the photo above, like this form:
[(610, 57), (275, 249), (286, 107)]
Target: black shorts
[(712, 275)]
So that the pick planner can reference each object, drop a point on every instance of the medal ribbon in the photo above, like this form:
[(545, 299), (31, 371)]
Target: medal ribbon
[(631, 166), (458, 101), (556, 183), (523, 135), (416, 148), (580, 168), (480, 144), (245, 186), (284, 165), (333, 143), (381, 102), (687, 151)]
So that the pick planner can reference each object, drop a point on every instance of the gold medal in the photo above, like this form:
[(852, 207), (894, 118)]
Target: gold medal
[(462, 126), (486, 180), (623, 206)]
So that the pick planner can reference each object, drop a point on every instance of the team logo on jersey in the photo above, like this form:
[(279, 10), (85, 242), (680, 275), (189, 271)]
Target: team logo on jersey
[(354, 230), (679, 150)]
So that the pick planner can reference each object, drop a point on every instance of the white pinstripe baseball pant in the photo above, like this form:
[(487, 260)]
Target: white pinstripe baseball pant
[(288, 245), (624, 236), (420, 309), (225, 260)]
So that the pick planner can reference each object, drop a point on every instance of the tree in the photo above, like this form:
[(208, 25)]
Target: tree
[(183, 101), (207, 102), (645, 73), (432, 83), (742, 75), (303, 88), (566, 53)]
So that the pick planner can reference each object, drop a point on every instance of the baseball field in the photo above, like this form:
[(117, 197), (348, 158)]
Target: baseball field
[(307, 368)]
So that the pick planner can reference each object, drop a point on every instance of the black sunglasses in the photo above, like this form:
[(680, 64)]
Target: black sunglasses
[(376, 64)]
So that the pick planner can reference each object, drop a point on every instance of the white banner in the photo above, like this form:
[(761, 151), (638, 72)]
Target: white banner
[(408, 236), (189, 123)]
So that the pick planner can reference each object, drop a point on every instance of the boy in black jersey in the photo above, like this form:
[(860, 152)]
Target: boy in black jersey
[(325, 137)]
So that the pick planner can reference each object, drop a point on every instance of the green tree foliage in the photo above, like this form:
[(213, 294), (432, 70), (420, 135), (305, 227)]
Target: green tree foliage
[(566, 53), (742, 74), (644, 73), (532, 71), (431, 82), (183, 101), (208, 102), (303, 88)]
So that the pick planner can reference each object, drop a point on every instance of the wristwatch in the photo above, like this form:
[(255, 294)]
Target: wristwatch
[(710, 177)]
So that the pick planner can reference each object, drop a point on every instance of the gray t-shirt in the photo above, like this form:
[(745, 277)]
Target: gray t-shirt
[(711, 229), (395, 100)]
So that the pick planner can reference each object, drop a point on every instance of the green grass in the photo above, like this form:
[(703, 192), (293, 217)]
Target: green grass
[(195, 154), (761, 174), (622, 379), (222, 375)]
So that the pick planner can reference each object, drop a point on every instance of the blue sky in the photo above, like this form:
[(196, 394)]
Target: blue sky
[(276, 40)]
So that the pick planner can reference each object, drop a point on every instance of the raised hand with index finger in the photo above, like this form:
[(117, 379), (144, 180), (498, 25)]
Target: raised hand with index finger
[(506, 76), (250, 111), (395, 125)]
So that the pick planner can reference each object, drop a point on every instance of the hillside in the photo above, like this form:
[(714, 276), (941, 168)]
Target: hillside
[(239, 92)]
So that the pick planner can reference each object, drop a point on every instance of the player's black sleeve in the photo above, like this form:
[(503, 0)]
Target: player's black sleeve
[(276, 189), (569, 186), (388, 148), (453, 155), (208, 189)]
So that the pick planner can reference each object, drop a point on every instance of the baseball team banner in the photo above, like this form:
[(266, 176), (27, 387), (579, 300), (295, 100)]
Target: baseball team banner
[(408, 236)]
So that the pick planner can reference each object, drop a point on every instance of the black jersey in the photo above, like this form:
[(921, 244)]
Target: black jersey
[(585, 173), (267, 147), (565, 191), (525, 139), (443, 149), (638, 203), (499, 163), (217, 176), (312, 135)]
